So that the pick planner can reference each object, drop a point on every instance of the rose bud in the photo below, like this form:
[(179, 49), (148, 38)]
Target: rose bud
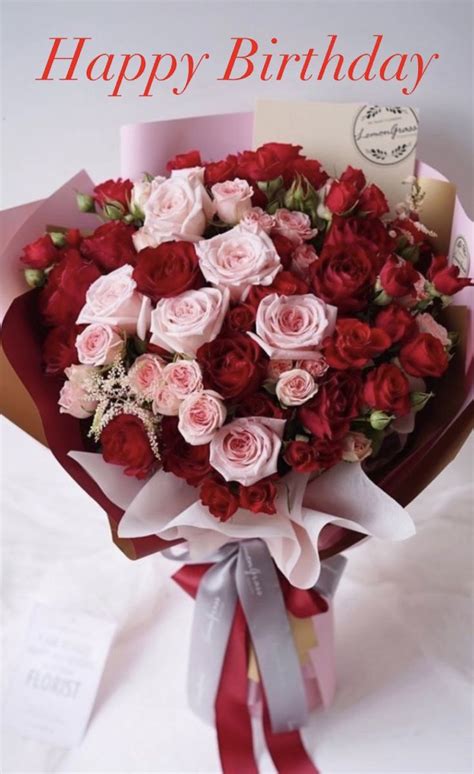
[(341, 197), (398, 277), (446, 278), (40, 254)]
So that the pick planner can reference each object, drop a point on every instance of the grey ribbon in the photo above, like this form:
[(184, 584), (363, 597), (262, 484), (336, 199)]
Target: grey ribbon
[(246, 572)]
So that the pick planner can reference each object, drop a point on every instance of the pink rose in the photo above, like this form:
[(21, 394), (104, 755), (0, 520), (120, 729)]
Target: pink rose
[(237, 259), (233, 199), (427, 324), (200, 417), (295, 387), (165, 401), (278, 367), (256, 219), (246, 450), (140, 195), (176, 208), (356, 447), (294, 225), (183, 323), (183, 377), (74, 396), (114, 300), (302, 258), (145, 374), (316, 367), (293, 326), (98, 344)]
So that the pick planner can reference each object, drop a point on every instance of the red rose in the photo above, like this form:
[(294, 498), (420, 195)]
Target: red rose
[(285, 284), (407, 227), (220, 171), (267, 162), (302, 456), (311, 170), (328, 452), (110, 246), (64, 294), (341, 197), (114, 191), (446, 278), (284, 247), (355, 177), (424, 356), (185, 161), (234, 365), (59, 348), (188, 462), (396, 321), (398, 277), (367, 232), (328, 415), (73, 237), (372, 201), (344, 276), (387, 389), (354, 344), (259, 404), (40, 254), (167, 270), (258, 498), (222, 503), (125, 442), (239, 319)]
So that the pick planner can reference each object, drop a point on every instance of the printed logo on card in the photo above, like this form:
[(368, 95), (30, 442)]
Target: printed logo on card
[(460, 256), (385, 135)]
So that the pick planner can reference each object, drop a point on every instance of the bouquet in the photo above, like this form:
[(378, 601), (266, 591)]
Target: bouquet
[(235, 357)]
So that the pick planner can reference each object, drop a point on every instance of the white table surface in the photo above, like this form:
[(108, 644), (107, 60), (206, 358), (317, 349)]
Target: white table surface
[(403, 614)]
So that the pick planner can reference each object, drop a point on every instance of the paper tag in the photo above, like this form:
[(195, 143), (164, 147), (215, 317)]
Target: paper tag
[(55, 682)]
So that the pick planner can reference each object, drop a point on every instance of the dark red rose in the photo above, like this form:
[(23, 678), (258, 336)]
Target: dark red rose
[(396, 321), (372, 201), (188, 462), (446, 278), (284, 247), (259, 498), (398, 277), (328, 452), (59, 348), (259, 404), (285, 284), (64, 294), (233, 365), (222, 503), (407, 227), (354, 344), (73, 237), (311, 170), (110, 246), (355, 177), (239, 319), (302, 456), (341, 197), (367, 232), (387, 389), (185, 161), (328, 415), (268, 162), (114, 191), (125, 442), (220, 171), (167, 270), (424, 355), (344, 276), (40, 254)]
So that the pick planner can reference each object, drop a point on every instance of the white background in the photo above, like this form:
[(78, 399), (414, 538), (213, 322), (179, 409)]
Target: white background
[(403, 611)]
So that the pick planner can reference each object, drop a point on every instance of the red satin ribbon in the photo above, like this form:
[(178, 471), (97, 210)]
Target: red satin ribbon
[(233, 720)]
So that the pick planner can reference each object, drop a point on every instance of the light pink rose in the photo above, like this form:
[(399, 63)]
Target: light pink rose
[(74, 396), (356, 447), (295, 387), (233, 199), (177, 207), (294, 225), (165, 401), (427, 324), (293, 326), (98, 345), (256, 219), (316, 367), (237, 259), (302, 258), (246, 450), (182, 323), (114, 300), (140, 194), (145, 374), (277, 367), (200, 417), (183, 377)]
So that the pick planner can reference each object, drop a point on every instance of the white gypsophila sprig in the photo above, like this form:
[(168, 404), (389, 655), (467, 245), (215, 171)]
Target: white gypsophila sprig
[(114, 395), (415, 195)]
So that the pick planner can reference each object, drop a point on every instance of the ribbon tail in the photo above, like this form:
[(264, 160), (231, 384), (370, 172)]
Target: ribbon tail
[(233, 721), (286, 749)]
